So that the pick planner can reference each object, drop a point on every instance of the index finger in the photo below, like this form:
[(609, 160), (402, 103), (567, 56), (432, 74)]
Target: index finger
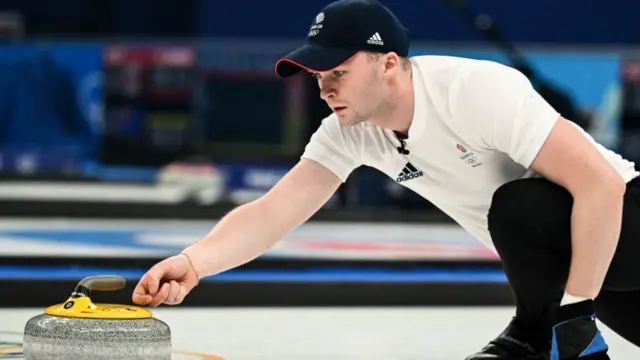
[(150, 281)]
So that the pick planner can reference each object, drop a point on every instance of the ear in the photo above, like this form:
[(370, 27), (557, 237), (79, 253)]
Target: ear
[(391, 62)]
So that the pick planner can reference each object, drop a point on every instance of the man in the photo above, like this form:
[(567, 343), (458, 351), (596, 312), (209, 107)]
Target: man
[(474, 138)]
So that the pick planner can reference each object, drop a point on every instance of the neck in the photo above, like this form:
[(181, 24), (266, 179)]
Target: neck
[(397, 114)]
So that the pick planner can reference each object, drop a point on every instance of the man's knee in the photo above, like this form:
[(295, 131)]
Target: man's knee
[(527, 203)]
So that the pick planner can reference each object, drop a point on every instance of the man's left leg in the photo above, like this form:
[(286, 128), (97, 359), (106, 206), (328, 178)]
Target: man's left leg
[(529, 225)]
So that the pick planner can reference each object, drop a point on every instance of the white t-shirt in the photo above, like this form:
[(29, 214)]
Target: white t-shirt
[(477, 125)]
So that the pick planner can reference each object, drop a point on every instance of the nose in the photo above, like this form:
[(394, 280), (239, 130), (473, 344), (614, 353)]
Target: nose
[(327, 91)]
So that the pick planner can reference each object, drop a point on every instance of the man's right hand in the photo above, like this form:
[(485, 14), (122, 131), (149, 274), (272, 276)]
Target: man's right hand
[(167, 282)]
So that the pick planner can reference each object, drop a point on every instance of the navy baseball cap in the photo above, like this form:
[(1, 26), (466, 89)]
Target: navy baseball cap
[(340, 30)]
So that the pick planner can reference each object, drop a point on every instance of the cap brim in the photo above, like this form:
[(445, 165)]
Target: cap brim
[(312, 57)]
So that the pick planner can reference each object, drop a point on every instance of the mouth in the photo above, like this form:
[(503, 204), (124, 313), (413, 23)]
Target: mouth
[(339, 108)]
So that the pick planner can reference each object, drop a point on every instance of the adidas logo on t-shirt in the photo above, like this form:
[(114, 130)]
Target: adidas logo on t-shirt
[(409, 172), (375, 39)]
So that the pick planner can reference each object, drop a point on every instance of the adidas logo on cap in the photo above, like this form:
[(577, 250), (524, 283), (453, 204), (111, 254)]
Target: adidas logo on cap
[(375, 39)]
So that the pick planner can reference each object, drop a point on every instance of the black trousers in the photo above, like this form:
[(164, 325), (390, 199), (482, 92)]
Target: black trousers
[(530, 225)]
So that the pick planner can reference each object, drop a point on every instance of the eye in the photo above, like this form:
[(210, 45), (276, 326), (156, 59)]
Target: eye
[(316, 76), (338, 73)]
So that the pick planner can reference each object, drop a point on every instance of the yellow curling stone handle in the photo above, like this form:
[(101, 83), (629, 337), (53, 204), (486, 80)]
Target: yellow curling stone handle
[(79, 304)]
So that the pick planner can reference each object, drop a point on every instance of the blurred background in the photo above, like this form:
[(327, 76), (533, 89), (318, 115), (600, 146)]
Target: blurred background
[(128, 128)]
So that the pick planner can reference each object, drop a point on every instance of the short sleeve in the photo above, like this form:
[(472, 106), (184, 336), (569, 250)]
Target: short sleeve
[(499, 104), (335, 147)]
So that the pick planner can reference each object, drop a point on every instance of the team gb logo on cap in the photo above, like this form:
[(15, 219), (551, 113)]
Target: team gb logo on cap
[(315, 28)]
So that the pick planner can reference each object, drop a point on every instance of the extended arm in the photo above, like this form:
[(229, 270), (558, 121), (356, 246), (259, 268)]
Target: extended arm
[(253, 228)]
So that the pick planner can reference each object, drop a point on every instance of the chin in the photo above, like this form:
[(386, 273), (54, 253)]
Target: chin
[(346, 119)]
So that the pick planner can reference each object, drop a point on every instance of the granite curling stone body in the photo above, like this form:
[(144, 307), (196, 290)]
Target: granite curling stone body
[(79, 329)]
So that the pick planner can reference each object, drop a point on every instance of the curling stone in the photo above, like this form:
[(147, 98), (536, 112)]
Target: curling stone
[(79, 329)]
